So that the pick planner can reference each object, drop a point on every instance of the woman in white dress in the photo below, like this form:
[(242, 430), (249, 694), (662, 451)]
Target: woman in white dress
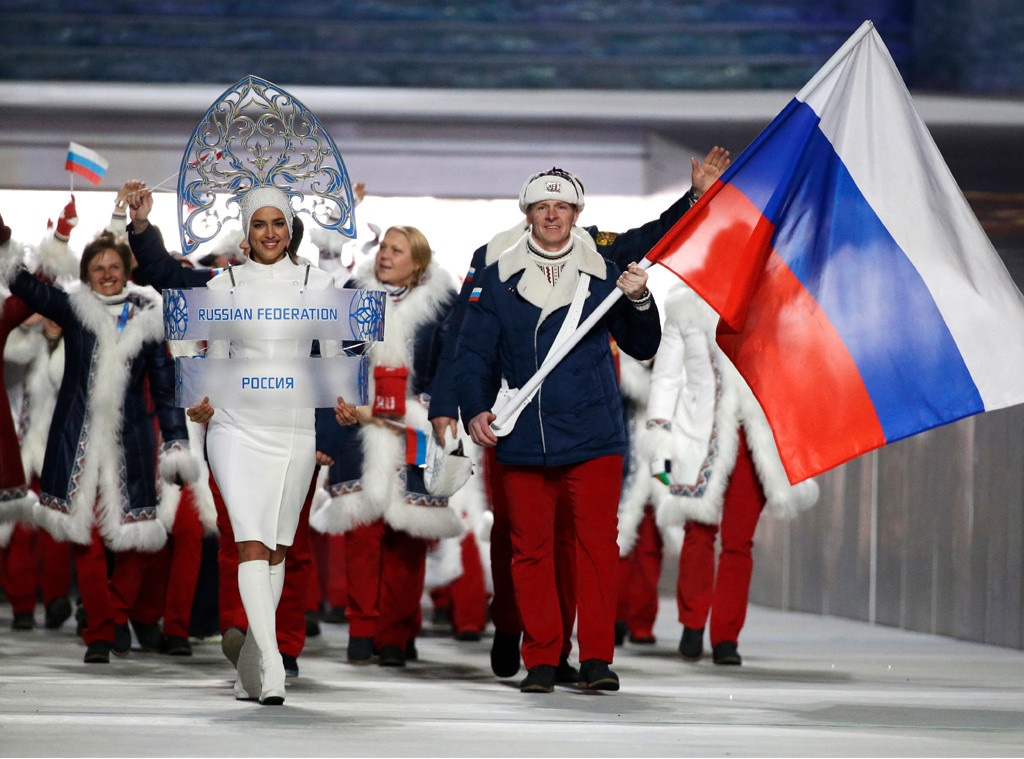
[(263, 459)]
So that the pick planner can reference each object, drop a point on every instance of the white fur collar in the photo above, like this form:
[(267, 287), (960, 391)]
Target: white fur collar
[(403, 319), (533, 285)]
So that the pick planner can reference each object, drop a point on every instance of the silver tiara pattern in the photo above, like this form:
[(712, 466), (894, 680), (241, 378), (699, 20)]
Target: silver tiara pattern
[(256, 134)]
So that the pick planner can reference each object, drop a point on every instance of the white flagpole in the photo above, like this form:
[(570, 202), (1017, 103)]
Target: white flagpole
[(505, 420)]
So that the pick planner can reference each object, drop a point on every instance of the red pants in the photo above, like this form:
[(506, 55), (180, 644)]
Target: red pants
[(33, 561), (362, 573), (587, 494), (106, 599), (465, 598), (291, 611), (639, 573), (402, 571), (504, 611), (327, 584), (169, 585), (724, 593)]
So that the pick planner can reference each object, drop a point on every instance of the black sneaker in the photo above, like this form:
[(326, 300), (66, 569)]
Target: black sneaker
[(150, 636), (391, 656), (24, 620), (468, 635), (565, 673), (122, 640), (360, 650), (505, 654), (642, 640), (98, 652), (726, 653), (596, 675), (621, 631), (291, 665), (175, 645), (540, 679), (58, 611), (691, 645)]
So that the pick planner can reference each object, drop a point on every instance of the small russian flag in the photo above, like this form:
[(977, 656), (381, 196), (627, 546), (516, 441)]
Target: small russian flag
[(471, 273), (475, 295), (85, 162), (415, 447)]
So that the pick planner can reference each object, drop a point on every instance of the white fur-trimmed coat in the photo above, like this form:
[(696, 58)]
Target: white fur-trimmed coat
[(698, 402)]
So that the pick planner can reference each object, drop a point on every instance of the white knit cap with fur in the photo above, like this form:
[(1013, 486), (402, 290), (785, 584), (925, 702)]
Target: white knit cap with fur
[(555, 184), (262, 197)]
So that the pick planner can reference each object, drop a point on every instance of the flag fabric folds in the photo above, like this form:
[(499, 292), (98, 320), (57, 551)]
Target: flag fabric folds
[(860, 297), (86, 163)]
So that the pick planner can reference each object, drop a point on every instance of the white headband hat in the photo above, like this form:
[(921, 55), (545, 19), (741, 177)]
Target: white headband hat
[(555, 184), (262, 197)]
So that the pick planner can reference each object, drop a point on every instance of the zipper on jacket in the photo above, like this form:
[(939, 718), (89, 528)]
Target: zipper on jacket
[(540, 391)]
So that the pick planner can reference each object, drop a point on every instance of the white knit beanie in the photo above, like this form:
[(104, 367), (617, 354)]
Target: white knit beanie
[(555, 184), (261, 197)]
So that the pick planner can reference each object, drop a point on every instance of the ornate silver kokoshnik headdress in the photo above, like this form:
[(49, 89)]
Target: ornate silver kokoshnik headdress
[(257, 135)]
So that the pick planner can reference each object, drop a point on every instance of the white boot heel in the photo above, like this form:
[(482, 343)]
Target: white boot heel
[(273, 677)]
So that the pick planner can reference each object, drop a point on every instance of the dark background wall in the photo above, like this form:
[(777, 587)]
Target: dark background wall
[(939, 45)]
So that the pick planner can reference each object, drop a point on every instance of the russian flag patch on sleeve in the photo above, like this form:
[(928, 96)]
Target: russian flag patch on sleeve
[(475, 295)]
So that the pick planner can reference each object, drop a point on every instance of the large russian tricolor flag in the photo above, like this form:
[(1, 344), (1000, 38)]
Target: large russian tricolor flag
[(860, 297)]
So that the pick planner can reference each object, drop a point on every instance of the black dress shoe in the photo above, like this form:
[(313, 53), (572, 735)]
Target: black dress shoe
[(58, 610), (726, 653), (505, 654), (621, 631), (122, 640), (291, 665), (565, 673), (150, 636), (596, 675), (24, 620), (540, 679), (391, 656), (175, 645), (98, 652), (691, 645), (360, 650), (80, 621), (312, 624)]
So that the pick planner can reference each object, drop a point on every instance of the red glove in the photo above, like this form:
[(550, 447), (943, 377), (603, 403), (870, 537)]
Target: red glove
[(68, 220), (389, 390), (5, 232)]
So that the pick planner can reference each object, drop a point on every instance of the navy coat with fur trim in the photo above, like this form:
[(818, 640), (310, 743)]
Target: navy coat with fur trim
[(369, 479), (577, 413), (102, 441)]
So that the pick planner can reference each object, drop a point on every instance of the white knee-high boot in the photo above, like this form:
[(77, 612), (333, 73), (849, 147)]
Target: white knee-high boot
[(256, 590), (277, 582)]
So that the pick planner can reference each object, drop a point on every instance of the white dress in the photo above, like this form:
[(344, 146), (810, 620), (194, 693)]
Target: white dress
[(263, 459)]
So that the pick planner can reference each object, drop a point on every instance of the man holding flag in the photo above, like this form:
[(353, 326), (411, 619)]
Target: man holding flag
[(565, 451)]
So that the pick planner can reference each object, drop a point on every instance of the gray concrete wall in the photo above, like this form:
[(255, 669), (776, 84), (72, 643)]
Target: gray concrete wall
[(926, 534)]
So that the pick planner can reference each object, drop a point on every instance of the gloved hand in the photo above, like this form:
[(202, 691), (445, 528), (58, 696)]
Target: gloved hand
[(68, 220), (5, 232)]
